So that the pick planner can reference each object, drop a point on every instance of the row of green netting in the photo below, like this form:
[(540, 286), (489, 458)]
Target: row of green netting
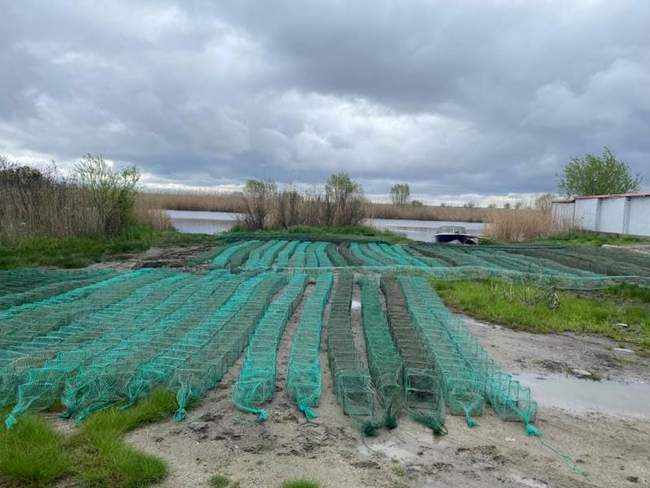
[(256, 384), (384, 361), (571, 259), (25, 286), (567, 267), (114, 341), (421, 382), (304, 367), (469, 375), (282, 254), (34, 337), (351, 378), (96, 338), (203, 370)]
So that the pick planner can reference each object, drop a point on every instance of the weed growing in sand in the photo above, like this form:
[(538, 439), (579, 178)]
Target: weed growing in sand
[(221, 481), (302, 483)]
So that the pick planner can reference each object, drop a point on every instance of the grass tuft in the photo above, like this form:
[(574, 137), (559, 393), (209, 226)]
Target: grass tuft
[(301, 483), (33, 453), (219, 481), (105, 460)]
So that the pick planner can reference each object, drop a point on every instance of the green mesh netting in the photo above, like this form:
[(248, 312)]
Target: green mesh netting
[(285, 254), (242, 248), (469, 375), (28, 378), (120, 373), (384, 361), (203, 371), (256, 384), (421, 381), (243, 308), (299, 258), (335, 256), (263, 256), (17, 288), (351, 379), (91, 339), (304, 370)]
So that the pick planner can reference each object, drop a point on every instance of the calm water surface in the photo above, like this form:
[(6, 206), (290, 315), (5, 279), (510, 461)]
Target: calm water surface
[(627, 399), (196, 222)]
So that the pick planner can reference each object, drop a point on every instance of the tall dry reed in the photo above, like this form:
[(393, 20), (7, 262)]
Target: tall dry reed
[(520, 225), (314, 201), (37, 203), (95, 202)]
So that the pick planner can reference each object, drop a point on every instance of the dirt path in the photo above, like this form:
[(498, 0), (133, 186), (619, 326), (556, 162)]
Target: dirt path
[(218, 438)]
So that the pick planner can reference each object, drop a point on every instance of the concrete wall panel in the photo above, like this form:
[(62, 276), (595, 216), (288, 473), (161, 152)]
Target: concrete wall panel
[(640, 216), (611, 215)]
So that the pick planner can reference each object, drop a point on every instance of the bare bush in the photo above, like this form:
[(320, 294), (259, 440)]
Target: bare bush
[(260, 198), (94, 202), (110, 193), (344, 200), (42, 203), (340, 204)]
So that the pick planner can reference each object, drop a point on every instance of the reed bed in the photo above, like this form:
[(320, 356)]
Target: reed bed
[(235, 202), (521, 225)]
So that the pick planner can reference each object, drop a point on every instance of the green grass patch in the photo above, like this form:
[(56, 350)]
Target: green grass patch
[(333, 233), (524, 306), (77, 252), (104, 460), (302, 483), (593, 238), (33, 453), (221, 481)]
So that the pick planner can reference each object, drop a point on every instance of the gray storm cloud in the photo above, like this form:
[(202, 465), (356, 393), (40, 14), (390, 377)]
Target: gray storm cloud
[(480, 97)]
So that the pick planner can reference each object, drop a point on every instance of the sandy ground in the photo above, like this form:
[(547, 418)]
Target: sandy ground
[(608, 451)]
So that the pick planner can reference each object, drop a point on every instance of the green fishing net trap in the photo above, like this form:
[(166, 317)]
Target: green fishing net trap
[(91, 339)]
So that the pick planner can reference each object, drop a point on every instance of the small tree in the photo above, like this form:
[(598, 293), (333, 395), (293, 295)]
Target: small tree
[(598, 175), (399, 193), (259, 197), (112, 194), (344, 200)]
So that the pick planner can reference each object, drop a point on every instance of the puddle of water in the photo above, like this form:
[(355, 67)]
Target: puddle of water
[(630, 399)]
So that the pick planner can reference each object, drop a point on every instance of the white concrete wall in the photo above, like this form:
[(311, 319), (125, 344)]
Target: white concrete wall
[(611, 215), (586, 214), (619, 215), (639, 216)]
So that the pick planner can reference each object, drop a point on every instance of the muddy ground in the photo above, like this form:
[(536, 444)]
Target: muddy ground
[(608, 451), (579, 449)]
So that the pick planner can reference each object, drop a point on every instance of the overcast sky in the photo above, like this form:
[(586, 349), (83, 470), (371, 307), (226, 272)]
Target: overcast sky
[(468, 97)]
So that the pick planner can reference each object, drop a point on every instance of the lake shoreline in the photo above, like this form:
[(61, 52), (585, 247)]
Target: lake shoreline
[(207, 222)]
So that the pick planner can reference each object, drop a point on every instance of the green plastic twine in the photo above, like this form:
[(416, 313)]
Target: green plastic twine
[(309, 413), (565, 457)]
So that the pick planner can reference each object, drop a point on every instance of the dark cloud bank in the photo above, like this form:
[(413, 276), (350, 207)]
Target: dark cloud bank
[(484, 97)]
